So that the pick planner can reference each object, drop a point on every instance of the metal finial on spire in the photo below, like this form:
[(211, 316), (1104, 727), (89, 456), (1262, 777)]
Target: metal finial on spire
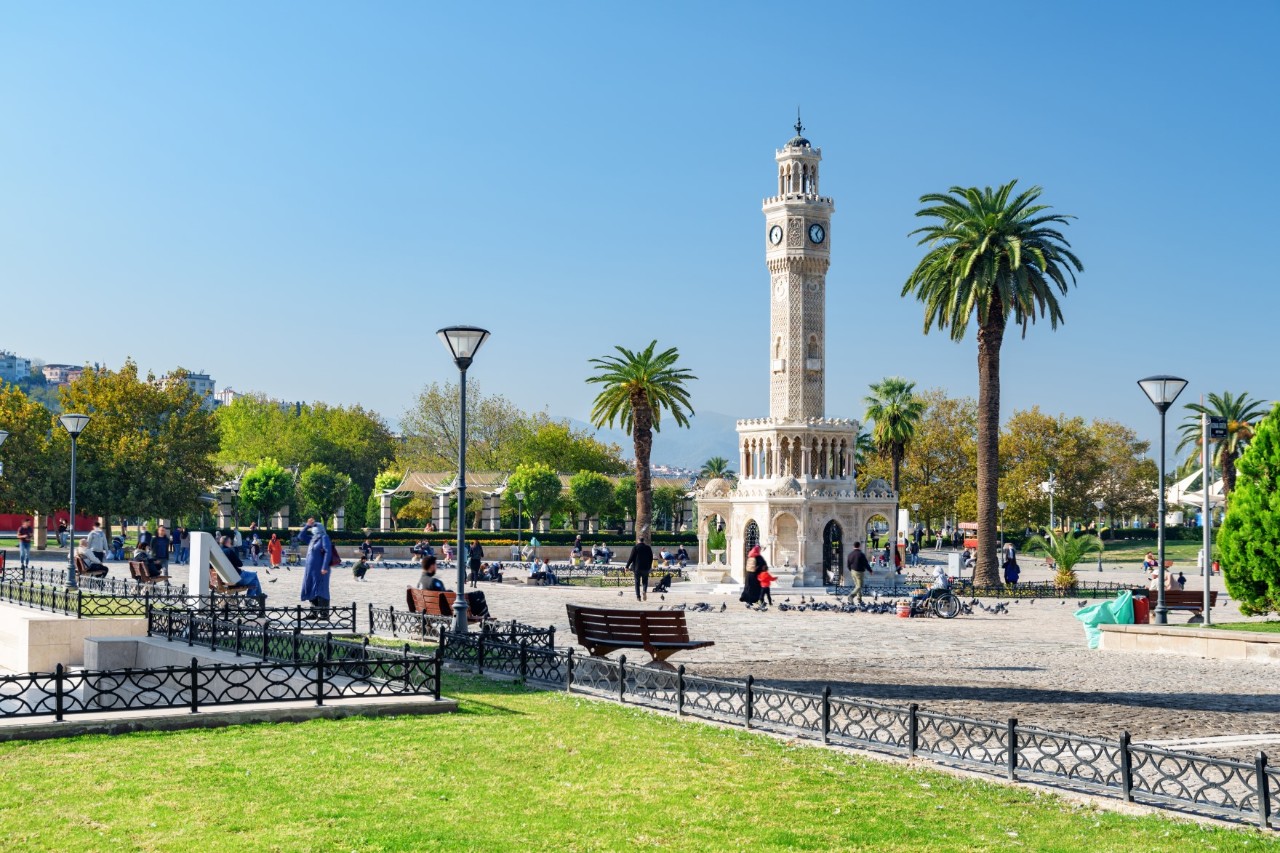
[(799, 126)]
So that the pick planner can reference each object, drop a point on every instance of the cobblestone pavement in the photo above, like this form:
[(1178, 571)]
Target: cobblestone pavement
[(1031, 663)]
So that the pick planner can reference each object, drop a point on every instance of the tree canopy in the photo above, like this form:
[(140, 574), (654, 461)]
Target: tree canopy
[(265, 489), (541, 488), (323, 491), (1249, 543), (34, 479)]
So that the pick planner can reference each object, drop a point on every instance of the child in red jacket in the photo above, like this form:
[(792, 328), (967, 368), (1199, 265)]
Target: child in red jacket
[(766, 580)]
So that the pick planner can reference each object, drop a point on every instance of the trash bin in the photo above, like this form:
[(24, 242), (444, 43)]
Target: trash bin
[(1141, 610)]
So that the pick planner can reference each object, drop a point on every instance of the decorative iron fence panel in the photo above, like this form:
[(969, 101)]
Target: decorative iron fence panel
[(786, 711), (869, 723), (1088, 762), (1216, 783), (960, 738), (714, 698)]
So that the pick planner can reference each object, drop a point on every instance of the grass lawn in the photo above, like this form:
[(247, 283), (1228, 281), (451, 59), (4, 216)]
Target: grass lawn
[(1183, 554), (523, 770), (1257, 627)]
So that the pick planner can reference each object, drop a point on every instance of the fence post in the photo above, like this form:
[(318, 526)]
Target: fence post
[(479, 650), (622, 678), (1126, 768), (680, 689), (297, 642), (194, 685), (913, 729), (370, 617), (213, 631), (551, 641), (58, 675), (439, 668), (191, 628), (826, 714), (79, 604), (568, 672), (751, 692), (524, 660), (353, 620), (1012, 754), (328, 645), (392, 611), (239, 635), (297, 614), (319, 679), (168, 626), (1263, 784)]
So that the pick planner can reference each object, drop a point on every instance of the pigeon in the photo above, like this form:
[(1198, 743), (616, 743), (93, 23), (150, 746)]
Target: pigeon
[(663, 597), (273, 580), (723, 607), (619, 593)]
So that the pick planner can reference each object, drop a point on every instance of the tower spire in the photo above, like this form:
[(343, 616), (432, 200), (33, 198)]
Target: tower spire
[(798, 125)]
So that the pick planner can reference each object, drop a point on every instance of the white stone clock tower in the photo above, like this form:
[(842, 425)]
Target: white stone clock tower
[(797, 496)]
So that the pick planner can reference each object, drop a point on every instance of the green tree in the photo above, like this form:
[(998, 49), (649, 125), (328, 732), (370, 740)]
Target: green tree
[(323, 490), (940, 467), (895, 411), (1240, 412), (638, 388), (1249, 543), (1066, 552), (1127, 479), (717, 466), (373, 506), (1035, 445), (541, 487), (592, 493), (148, 450), (667, 501), (995, 260), (415, 511), (495, 426), (32, 479), (265, 489), (624, 497), (561, 447)]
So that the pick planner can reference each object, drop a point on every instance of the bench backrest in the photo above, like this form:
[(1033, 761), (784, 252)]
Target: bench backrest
[(432, 602), (638, 626), (1186, 596)]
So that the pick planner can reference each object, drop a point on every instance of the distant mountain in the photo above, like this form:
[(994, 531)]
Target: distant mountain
[(709, 434)]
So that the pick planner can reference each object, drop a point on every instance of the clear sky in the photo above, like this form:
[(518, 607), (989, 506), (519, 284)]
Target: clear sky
[(295, 196)]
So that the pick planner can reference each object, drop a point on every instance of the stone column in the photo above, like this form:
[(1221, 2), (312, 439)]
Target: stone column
[(40, 523), (593, 525), (340, 519), (384, 512), (280, 520), (544, 522), (442, 512), (630, 526), (493, 509), (226, 508)]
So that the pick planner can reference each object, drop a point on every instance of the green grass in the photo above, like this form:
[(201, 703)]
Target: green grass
[(1183, 554), (522, 770), (1256, 627)]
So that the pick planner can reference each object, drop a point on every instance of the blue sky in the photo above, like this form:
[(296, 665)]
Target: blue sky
[(294, 197)]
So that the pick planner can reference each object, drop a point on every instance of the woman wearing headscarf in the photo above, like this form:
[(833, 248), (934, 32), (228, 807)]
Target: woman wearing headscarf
[(751, 580), (315, 580)]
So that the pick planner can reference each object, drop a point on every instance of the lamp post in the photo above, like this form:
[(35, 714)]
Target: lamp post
[(3, 436), (463, 342), (1162, 391), (74, 425), (1100, 503), (1050, 486), (1001, 505), (519, 521)]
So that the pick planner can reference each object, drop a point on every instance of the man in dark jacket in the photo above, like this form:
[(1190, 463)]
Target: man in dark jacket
[(640, 561), (859, 568)]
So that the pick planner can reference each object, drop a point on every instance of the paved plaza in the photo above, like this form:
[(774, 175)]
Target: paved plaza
[(1030, 663)]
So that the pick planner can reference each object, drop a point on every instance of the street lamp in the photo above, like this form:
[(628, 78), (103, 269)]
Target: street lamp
[(463, 342), (519, 520), (1050, 486), (1001, 505), (1100, 503), (1162, 391), (74, 425), (3, 436)]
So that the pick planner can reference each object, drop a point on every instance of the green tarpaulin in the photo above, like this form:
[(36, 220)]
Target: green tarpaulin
[(1118, 612)]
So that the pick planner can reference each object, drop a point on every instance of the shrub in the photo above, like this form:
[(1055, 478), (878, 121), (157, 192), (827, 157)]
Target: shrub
[(1250, 539)]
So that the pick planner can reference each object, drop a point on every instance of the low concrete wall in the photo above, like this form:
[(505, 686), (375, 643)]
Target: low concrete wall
[(1192, 642), (35, 641)]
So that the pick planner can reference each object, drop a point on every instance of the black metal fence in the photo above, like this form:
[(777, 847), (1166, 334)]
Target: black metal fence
[(402, 623), (907, 584), (198, 685), (1139, 773)]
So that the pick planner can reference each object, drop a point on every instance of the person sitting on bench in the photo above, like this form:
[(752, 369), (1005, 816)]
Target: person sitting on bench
[(154, 567), (247, 578), (428, 581), (93, 567), (682, 556)]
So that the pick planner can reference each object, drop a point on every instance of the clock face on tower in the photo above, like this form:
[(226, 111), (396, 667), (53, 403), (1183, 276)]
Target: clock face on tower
[(775, 234), (817, 233)]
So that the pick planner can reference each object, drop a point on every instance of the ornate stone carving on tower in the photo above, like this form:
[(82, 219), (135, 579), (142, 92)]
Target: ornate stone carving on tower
[(797, 496)]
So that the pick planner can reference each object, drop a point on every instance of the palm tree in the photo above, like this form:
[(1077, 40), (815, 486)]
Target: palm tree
[(863, 446), (717, 466), (893, 406), (1066, 553), (1241, 413), (996, 261), (639, 386)]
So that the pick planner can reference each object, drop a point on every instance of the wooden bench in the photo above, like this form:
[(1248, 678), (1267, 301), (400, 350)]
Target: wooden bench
[(1181, 599), (218, 585), (82, 571), (661, 633), (434, 602), (139, 572)]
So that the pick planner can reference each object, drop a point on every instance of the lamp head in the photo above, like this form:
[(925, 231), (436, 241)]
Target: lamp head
[(74, 424), (1002, 506), (1100, 503), (463, 342), (1162, 390), (520, 496), (3, 436)]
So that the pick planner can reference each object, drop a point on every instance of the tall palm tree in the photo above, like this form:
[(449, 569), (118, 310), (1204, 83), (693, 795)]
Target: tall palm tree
[(717, 466), (863, 446), (997, 261), (638, 387), (893, 406), (1241, 413)]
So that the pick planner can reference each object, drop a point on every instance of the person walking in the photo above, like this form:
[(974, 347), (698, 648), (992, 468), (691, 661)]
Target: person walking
[(859, 568), (639, 562), (475, 556), (160, 549), (25, 530), (766, 581), (315, 579), (97, 542), (751, 589), (275, 553)]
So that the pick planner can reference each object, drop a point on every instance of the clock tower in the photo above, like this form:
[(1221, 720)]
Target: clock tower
[(797, 252), (797, 496)]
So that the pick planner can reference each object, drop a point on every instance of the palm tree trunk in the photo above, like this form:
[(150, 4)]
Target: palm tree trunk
[(990, 336), (1228, 466), (642, 436)]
